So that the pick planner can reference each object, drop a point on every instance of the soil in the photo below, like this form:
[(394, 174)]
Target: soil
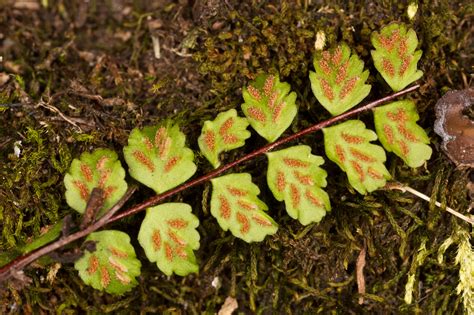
[(78, 75)]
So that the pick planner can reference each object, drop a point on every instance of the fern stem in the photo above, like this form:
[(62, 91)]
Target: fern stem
[(15, 267), (153, 201)]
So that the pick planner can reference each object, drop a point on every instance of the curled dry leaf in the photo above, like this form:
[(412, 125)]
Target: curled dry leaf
[(456, 129), (229, 306)]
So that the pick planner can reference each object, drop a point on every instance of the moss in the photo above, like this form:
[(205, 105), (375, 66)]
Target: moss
[(301, 269)]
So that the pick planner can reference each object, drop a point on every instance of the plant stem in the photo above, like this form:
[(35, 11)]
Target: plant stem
[(158, 198), (15, 266)]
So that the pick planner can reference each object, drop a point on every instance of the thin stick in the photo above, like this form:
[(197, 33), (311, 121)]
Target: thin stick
[(360, 264), (421, 195), (21, 262)]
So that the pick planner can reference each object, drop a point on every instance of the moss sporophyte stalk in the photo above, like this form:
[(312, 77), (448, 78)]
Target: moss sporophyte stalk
[(158, 157)]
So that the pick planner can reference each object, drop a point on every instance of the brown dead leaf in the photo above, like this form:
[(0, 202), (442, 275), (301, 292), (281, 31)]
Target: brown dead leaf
[(456, 129), (12, 67)]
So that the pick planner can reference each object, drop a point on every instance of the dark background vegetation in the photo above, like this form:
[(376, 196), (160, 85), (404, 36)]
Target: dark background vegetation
[(78, 75)]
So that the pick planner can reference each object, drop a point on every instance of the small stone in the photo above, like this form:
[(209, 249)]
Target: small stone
[(216, 282)]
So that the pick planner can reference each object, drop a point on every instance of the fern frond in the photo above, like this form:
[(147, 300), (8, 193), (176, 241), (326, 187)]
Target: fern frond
[(269, 106), (226, 132), (339, 80), (395, 55), (294, 176), (348, 145), (235, 205), (168, 235), (396, 127), (113, 265), (99, 169), (158, 157)]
